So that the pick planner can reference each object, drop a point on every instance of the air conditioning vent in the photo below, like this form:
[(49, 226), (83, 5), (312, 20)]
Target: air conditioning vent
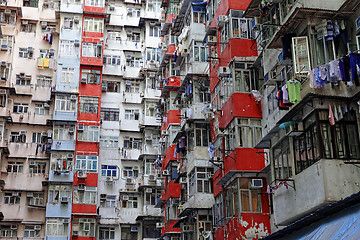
[(82, 174), (73, 97), (37, 227), (70, 156), (224, 72), (211, 40), (159, 225), (256, 183), (125, 197), (165, 173), (148, 190), (81, 128), (134, 229), (81, 187)]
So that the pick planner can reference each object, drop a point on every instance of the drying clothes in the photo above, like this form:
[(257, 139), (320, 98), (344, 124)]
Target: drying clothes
[(294, 89), (182, 142), (40, 63), (51, 63), (335, 113), (344, 66), (331, 116), (354, 63), (312, 78), (329, 31), (334, 71), (340, 112), (285, 94), (46, 62), (281, 104)]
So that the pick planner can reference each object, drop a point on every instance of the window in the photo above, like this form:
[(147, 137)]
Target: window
[(150, 109), (109, 114), (57, 192), (112, 86), (199, 17), (43, 81), (151, 198), (6, 41), (249, 131), (130, 203), (107, 233), (245, 79), (35, 199), (301, 54), (37, 167), (68, 23), (92, 49), (89, 134), (112, 60), (127, 234), (8, 18), (64, 132), (282, 160), (135, 62), (67, 48), (27, 27), (95, 3), (90, 76), (131, 172), (218, 210), (84, 226), (132, 87), (109, 171), (108, 201), (199, 180), (200, 135), (240, 28), (8, 231), (24, 53), (88, 196), (131, 114), (154, 6), (88, 104), (241, 198), (41, 110), (15, 167), (12, 197), (30, 3), (93, 24), (19, 137), (155, 31), (22, 79), (39, 137), (153, 54), (224, 36), (132, 143), (109, 142), (47, 53), (67, 75), (133, 12), (5, 71), (150, 168), (86, 163), (150, 231), (64, 103), (61, 162), (56, 227)]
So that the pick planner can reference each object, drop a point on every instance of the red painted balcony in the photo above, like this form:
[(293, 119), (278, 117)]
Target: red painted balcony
[(240, 105), (84, 209), (87, 146), (219, 233), (170, 49), (216, 178), (172, 117), (244, 159), (172, 190), (169, 227), (168, 157), (258, 223), (90, 180), (170, 84), (99, 9), (93, 61), (92, 52)]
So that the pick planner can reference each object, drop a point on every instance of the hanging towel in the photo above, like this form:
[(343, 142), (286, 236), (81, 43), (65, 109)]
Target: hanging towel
[(51, 63), (46, 62), (40, 63)]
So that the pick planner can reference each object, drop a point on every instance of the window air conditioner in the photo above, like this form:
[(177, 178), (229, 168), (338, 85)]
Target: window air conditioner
[(211, 40), (148, 190), (64, 199), (256, 183), (81, 174), (70, 156), (125, 197), (224, 72), (81, 128), (81, 187), (37, 227), (76, 19), (165, 173), (222, 19)]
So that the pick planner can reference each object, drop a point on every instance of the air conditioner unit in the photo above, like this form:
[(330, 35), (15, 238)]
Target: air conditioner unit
[(256, 183), (210, 175), (125, 197), (222, 19), (22, 132), (76, 19), (73, 97), (32, 163), (151, 178), (151, 75), (159, 225), (7, 11), (148, 190), (81, 187), (64, 200), (70, 156), (75, 233), (3, 64), (24, 22), (211, 40), (109, 179), (175, 201), (43, 24), (165, 173), (102, 196), (82, 174), (112, 7), (148, 137), (152, 24), (129, 10), (77, 43), (29, 194), (13, 227), (128, 57), (71, 130), (129, 180), (295, 130), (224, 72), (46, 105), (134, 229), (80, 127), (37, 227), (4, 47), (164, 132), (2, 92), (66, 220), (188, 228), (30, 49), (83, 80)]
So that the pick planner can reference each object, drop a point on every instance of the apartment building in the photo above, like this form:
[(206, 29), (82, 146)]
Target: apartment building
[(312, 134)]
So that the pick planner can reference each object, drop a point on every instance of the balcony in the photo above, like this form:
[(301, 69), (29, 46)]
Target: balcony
[(94, 7), (169, 156), (61, 145), (172, 117), (172, 190), (323, 183), (170, 84), (197, 201), (169, 228)]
